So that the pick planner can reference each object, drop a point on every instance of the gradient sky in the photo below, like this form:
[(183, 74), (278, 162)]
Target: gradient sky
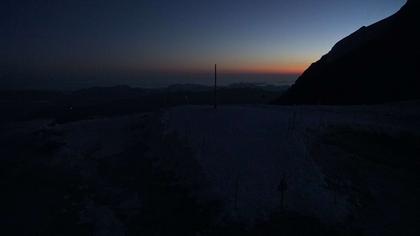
[(264, 36)]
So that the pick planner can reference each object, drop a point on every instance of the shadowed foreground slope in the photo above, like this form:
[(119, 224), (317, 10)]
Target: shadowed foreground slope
[(194, 170)]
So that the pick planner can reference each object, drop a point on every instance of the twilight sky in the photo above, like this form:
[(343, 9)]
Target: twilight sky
[(134, 36)]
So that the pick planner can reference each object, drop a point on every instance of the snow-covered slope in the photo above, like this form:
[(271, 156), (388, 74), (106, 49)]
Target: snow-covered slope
[(241, 156), (247, 151)]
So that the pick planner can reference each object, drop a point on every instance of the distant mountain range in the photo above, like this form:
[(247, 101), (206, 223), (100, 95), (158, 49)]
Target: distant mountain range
[(376, 64), (68, 106)]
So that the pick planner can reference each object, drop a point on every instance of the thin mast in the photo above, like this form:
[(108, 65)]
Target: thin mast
[(215, 86)]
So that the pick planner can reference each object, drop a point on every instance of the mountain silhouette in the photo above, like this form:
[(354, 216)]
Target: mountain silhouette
[(376, 64)]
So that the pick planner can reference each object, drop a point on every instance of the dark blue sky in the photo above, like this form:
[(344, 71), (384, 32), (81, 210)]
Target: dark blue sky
[(186, 35)]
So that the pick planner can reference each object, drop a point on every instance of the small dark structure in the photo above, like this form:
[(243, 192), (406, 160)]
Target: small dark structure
[(282, 188)]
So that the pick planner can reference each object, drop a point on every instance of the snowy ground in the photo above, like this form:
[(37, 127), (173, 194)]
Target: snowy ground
[(247, 150)]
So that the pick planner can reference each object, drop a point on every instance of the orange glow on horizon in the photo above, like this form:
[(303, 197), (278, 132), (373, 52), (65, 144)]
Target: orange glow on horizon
[(264, 71), (298, 69), (288, 67)]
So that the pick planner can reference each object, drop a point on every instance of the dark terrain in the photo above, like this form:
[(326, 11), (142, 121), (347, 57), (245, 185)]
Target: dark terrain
[(123, 100), (375, 64)]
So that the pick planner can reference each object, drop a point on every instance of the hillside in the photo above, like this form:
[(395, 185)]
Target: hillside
[(375, 64)]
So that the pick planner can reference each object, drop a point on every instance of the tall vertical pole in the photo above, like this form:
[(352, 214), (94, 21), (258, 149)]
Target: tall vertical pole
[(215, 86)]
